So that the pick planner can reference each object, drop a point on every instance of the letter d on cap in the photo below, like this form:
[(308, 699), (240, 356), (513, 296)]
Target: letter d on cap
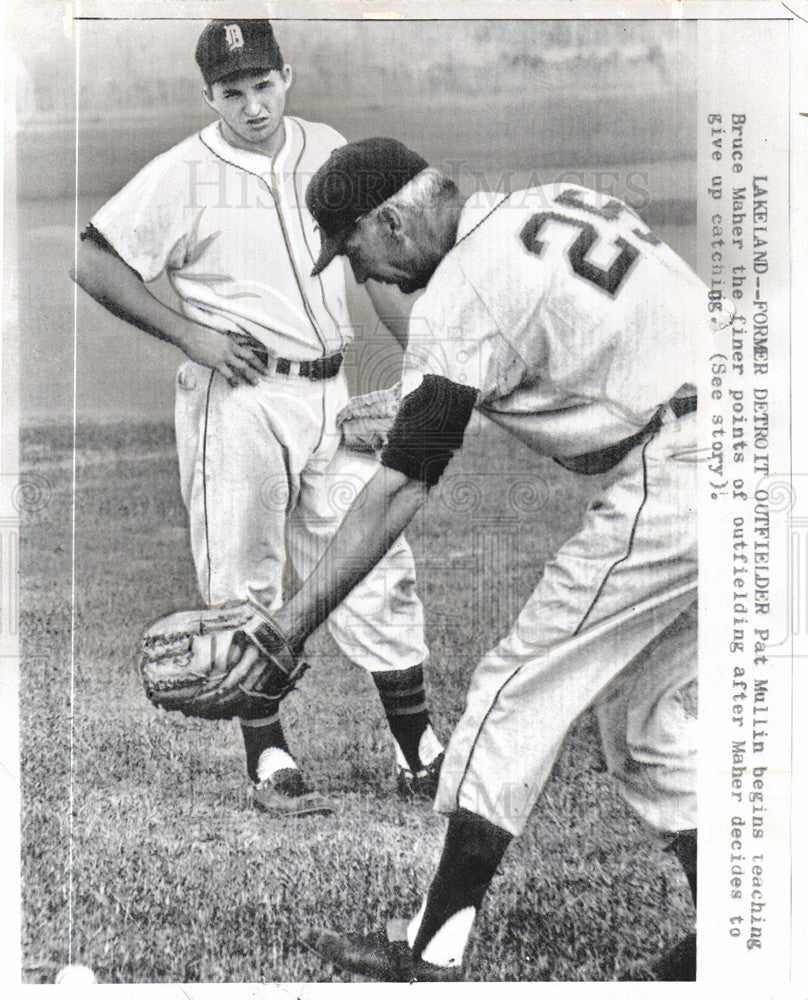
[(233, 37)]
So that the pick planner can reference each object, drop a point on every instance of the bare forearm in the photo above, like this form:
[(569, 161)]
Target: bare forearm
[(377, 517), (120, 290), (112, 283)]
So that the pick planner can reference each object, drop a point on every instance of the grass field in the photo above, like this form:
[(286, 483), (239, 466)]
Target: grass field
[(142, 856), (160, 871)]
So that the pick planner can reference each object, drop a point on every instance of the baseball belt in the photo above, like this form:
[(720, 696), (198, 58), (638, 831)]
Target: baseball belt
[(594, 462), (320, 368), (317, 370)]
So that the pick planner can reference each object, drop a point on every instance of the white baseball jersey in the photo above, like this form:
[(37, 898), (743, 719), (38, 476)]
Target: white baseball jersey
[(261, 466), (574, 323), (193, 212), (571, 318)]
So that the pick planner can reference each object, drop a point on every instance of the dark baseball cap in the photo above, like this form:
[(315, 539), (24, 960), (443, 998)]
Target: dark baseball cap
[(237, 46), (353, 181)]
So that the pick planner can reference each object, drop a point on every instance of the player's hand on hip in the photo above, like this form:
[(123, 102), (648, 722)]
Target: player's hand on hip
[(232, 357)]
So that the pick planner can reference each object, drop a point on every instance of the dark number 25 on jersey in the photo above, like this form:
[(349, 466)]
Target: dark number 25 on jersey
[(608, 279)]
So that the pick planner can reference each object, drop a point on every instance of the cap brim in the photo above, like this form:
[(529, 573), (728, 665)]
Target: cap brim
[(332, 247), (241, 63)]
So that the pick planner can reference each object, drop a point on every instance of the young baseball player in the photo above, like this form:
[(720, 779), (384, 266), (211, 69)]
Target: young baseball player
[(542, 310), (262, 471)]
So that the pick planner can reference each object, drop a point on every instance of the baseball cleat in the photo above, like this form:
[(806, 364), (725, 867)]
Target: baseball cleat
[(287, 794), (420, 785), (376, 957)]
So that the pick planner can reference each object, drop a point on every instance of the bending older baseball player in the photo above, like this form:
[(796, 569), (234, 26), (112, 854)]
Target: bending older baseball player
[(223, 216), (557, 314)]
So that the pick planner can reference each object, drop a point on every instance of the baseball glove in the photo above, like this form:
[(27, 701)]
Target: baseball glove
[(218, 663), (366, 420)]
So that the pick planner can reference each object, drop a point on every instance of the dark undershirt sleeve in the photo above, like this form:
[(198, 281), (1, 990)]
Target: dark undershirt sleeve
[(429, 428), (96, 236)]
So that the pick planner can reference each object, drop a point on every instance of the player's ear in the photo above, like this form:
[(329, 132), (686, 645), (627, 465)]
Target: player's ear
[(286, 75), (207, 93), (391, 221)]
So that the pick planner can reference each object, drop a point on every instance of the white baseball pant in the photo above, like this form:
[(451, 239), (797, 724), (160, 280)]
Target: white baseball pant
[(262, 474), (611, 624)]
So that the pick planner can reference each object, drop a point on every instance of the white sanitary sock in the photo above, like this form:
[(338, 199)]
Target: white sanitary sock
[(447, 946), (271, 760), (429, 746)]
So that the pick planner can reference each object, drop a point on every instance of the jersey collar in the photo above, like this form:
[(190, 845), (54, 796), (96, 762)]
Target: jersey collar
[(254, 163), (476, 210)]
